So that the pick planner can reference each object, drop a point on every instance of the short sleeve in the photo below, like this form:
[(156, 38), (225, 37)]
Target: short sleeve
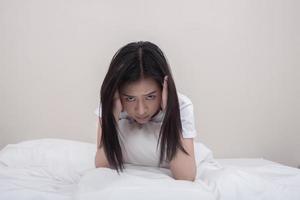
[(98, 110), (187, 118)]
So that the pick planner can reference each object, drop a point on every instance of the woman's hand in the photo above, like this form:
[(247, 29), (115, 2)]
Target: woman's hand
[(118, 108), (164, 96)]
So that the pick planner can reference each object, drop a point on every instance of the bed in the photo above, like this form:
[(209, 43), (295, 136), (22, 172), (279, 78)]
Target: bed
[(64, 169)]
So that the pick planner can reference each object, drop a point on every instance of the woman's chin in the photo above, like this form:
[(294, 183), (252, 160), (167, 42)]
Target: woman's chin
[(141, 123)]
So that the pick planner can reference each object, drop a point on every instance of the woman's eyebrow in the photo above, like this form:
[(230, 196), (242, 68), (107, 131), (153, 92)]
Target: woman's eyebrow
[(143, 95)]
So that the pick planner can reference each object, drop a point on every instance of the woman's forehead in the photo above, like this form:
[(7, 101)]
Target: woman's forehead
[(141, 87)]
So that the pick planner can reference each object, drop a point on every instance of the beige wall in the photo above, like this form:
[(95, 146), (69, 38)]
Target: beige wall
[(238, 61)]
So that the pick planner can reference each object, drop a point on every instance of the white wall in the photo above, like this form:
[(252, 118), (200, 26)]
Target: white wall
[(238, 61)]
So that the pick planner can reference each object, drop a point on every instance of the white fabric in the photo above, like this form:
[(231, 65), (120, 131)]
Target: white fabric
[(46, 169), (246, 180), (139, 145), (56, 153), (186, 115), (138, 182), (264, 182), (139, 142), (43, 169)]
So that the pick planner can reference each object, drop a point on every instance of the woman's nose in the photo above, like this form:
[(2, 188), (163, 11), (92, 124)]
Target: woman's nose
[(141, 108)]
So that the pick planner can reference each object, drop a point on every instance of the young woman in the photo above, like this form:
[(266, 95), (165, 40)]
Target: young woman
[(143, 120)]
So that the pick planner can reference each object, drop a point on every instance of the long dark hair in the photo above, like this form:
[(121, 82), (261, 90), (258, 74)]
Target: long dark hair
[(130, 63)]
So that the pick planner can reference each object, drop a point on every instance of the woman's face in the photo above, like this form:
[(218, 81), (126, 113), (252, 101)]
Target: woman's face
[(141, 99)]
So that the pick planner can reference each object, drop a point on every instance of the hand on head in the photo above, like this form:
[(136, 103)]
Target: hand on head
[(164, 96), (117, 106)]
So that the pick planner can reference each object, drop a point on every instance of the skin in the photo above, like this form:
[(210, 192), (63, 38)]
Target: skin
[(144, 98)]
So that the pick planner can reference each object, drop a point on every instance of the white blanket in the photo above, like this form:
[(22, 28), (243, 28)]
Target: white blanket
[(267, 182), (137, 183), (64, 170), (263, 182)]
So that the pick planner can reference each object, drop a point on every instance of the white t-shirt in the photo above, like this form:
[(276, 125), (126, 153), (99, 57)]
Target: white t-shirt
[(139, 142)]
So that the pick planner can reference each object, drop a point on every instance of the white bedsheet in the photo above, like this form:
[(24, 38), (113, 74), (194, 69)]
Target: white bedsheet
[(264, 181), (34, 183), (138, 183), (268, 181), (66, 176)]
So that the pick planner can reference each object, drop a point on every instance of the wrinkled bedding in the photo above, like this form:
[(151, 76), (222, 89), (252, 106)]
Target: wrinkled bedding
[(64, 169)]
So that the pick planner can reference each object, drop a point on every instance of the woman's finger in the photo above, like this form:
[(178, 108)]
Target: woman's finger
[(118, 108), (165, 93), (116, 95)]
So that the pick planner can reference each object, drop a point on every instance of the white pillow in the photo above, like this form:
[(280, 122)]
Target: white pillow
[(57, 153), (61, 153)]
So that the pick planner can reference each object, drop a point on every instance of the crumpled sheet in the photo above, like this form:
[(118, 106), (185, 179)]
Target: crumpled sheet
[(37, 182), (270, 181), (63, 170)]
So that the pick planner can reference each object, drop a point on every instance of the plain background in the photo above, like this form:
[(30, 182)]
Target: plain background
[(237, 60)]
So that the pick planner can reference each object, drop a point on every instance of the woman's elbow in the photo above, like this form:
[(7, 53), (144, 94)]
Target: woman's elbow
[(100, 159), (102, 166), (186, 176), (99, 164)]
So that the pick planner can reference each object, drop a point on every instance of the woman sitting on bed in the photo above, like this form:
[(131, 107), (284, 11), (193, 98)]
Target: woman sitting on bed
[(142, 118)]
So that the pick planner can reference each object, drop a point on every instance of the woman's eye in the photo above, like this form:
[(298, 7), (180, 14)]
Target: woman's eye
[(150, 97), (130, 99)]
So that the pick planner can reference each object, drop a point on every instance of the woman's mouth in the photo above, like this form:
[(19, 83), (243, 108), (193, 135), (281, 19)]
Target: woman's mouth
[(142, 118)]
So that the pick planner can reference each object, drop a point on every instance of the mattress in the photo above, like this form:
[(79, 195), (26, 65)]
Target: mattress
[(64, 169)]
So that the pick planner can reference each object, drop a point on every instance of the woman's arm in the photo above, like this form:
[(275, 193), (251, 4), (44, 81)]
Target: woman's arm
[(183, 167), (100, 158)]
